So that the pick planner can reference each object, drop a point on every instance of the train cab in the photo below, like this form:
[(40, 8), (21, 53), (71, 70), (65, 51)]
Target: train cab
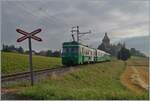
[(70, 53)]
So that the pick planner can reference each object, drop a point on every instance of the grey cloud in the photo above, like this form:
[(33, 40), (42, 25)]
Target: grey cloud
[(56, 17)]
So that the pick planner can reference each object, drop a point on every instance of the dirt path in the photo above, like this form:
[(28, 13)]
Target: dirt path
[(136, 78)]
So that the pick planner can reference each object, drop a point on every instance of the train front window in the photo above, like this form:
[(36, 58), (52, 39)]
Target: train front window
[(70, 50), (65, 50), (74, 50)]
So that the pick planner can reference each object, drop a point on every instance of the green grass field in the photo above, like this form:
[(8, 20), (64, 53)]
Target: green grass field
[(13, 63), (93, 81)]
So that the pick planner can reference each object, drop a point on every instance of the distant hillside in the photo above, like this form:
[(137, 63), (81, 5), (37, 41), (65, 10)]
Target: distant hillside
[(139, 43)]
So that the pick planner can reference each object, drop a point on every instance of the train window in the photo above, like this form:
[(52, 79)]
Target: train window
[(65, 50), (74, 50), (80, 50), (69, 50), (83, 51), (87, 52)]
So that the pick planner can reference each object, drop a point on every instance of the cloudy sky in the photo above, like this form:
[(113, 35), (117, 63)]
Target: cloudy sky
[(121, 19)]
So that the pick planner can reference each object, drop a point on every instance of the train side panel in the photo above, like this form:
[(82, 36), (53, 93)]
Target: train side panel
[(102, 56), (87, 54), (75, 53)]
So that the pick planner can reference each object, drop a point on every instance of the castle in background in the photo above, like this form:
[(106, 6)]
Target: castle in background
[(114, 49), (105, 45)]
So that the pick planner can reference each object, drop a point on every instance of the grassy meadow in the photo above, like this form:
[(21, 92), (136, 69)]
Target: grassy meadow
[(93, 81), (13, 62)]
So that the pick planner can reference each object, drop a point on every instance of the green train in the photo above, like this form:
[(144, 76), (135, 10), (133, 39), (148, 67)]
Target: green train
[(75, 53)]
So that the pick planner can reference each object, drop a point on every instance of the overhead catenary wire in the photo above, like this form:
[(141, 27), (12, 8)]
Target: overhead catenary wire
[(78, 33)]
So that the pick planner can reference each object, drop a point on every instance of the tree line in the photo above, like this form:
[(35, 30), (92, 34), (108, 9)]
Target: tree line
[(13, 48), (119, 51)]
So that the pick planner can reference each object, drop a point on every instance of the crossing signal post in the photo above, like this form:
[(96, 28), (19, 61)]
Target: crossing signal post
[(78, 33), (29, 36)]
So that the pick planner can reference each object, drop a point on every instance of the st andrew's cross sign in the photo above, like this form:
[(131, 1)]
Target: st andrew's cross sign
[(29, 36)]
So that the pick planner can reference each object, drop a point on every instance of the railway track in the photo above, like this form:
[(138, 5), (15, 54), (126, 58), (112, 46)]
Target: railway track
[(26, 75)]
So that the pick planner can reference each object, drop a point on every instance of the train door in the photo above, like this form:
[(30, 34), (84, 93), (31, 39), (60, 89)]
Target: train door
[(83, 53), (92, 53)]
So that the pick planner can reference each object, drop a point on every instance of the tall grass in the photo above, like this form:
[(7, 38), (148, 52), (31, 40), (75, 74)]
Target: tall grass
[(13, 62), (138, 61), (94, 81)]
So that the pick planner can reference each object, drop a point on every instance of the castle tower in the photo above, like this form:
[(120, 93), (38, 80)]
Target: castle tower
[(106, 41), (105, 45)]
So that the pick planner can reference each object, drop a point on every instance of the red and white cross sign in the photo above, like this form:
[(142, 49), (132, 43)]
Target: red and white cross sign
[(27, 35)]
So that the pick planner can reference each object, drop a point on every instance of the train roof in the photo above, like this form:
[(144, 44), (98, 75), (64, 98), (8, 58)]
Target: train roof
[(74, 43)]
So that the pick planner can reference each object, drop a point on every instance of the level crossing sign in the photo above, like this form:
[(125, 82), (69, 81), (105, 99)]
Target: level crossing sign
[(29, 36)]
